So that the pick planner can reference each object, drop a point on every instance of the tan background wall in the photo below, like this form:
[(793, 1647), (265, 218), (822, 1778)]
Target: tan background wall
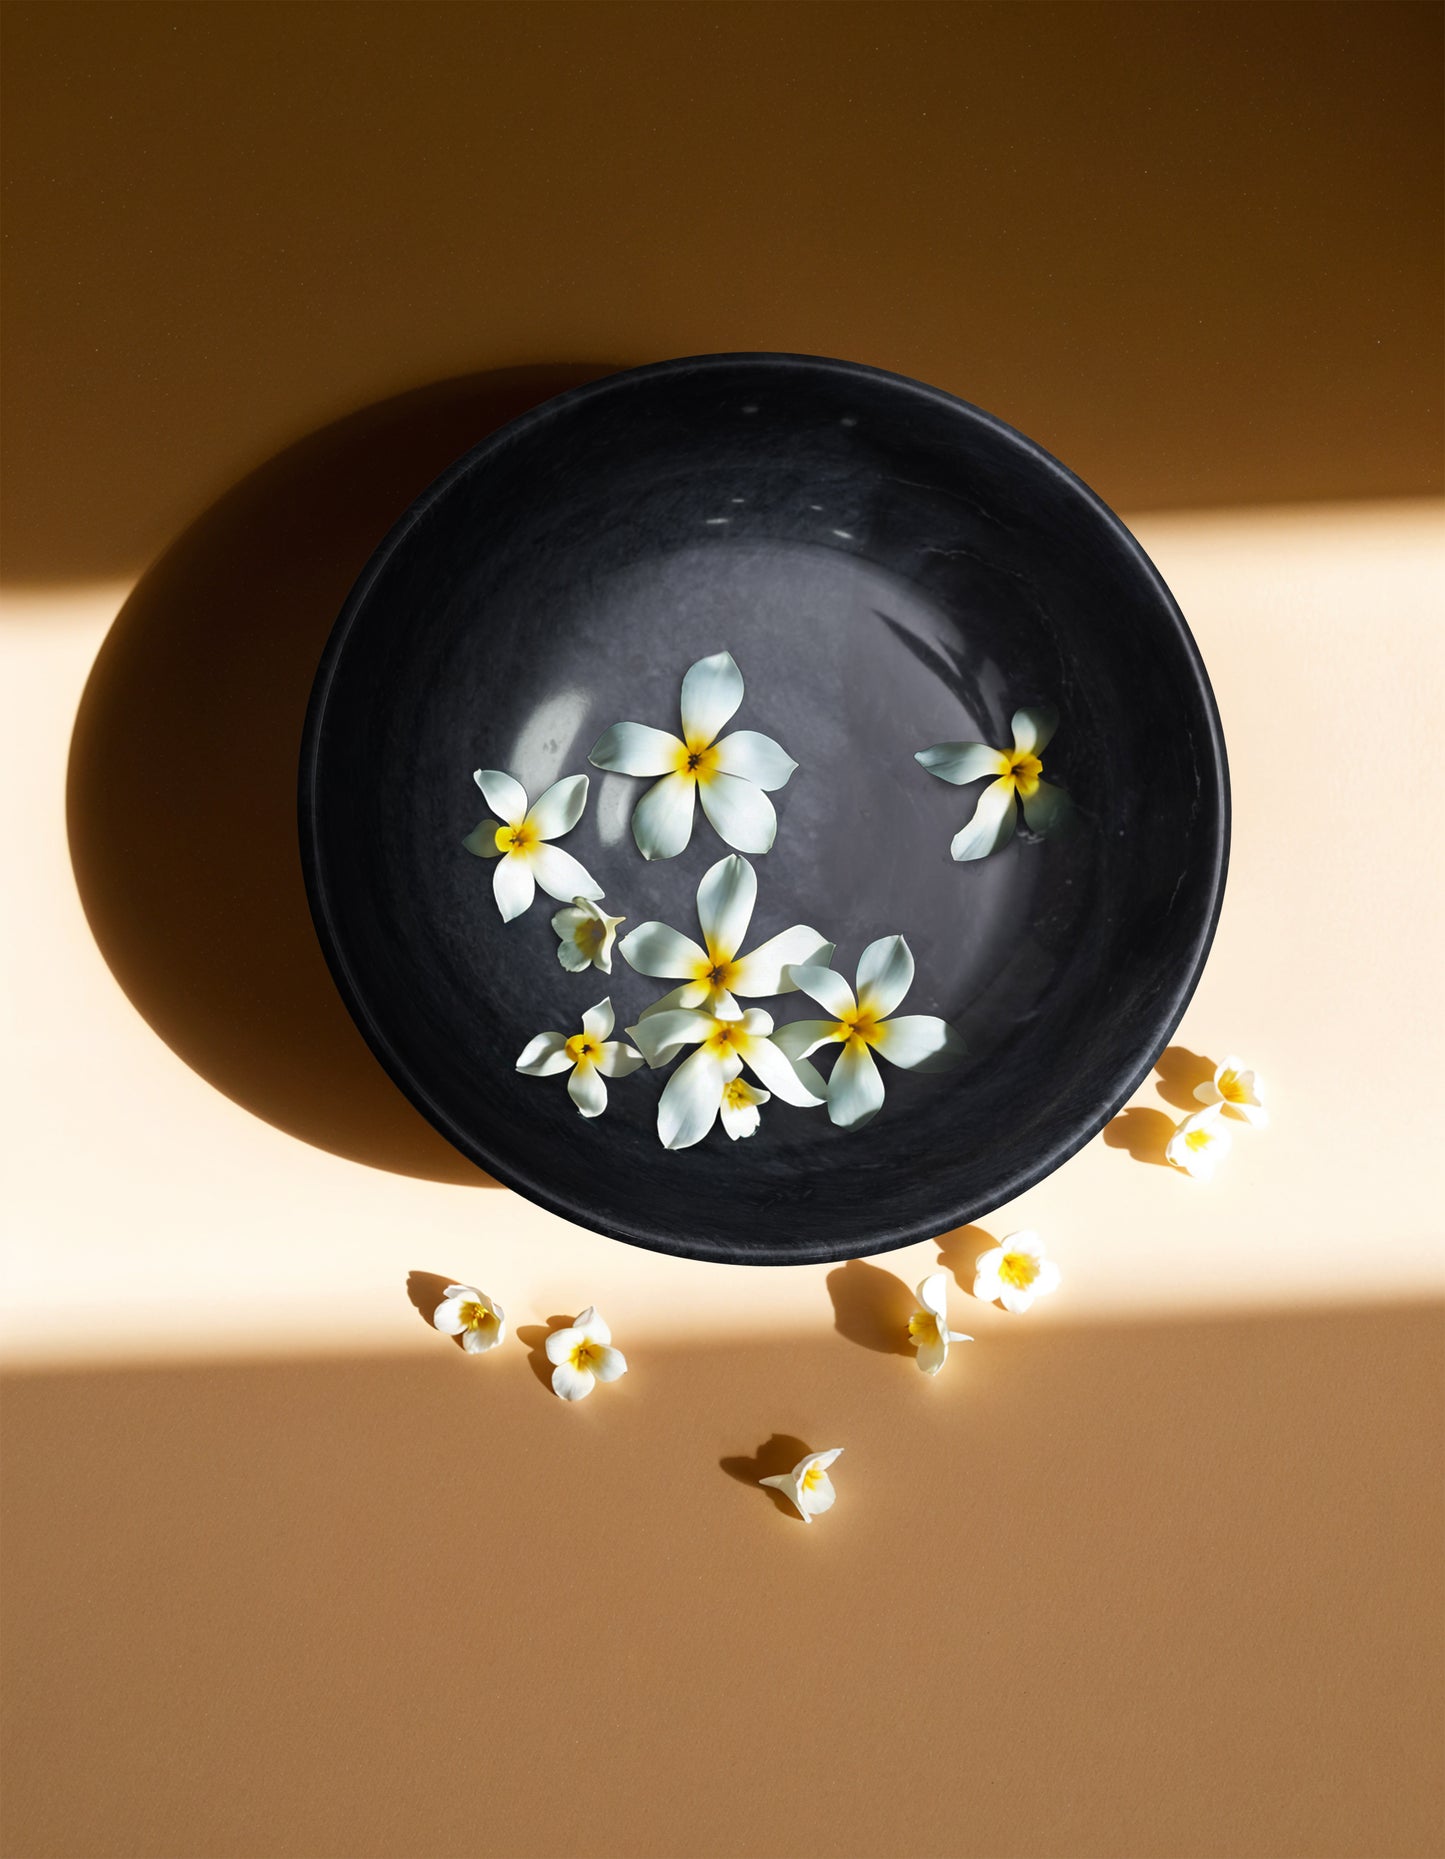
[(1155, 1571)]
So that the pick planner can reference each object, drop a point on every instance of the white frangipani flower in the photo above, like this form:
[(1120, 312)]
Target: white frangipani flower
[(808, 1487), (590, 1056), (741, 1103), (519, 841), (928, 1329), (582, 1356), (1237, 1091), (713, 974), (693, 1095), (733, 777), (1016, 1272), (585, 936), (1015, 771), (917, 1041), (472, 1315), (1200, 1143)]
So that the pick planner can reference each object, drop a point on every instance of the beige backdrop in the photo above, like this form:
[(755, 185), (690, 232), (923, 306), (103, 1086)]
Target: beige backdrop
[(1155, 1570)]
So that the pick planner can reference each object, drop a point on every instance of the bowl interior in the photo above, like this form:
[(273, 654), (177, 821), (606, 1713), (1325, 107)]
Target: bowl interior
[(890, 569)]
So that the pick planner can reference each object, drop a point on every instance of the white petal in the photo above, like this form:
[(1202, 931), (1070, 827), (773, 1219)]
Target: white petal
[(800, 1038), (741, 814), (573, 958), (992, 824), (919, 1042), (689, 1106), (763, 972), (560, 808), (513, 886), (821, 1498), (636, 749), (885, 974), (692, 994), (933, 1353), (778, 1072), (659, 1037), (1208, 1093), (1045, 807), (466, 1291), (787, 1483), (855, 1090), (1047, 1280), (824, 985), (932, 1295), (987, 1287), (448, 1316), (725, 901), (543, 1056), (572, 1384), (960, 762), (654, 949), (592, 1327), (560, 1343), (618, 1060), (1024, 1240), (822, 1460), (957, 1336), (570, 953), (662, 819), (711, 692), (1034, 728), (610, 1365), (561, 875), (587, 1089), (989, 1262), (505, 796), (756, 758), (598, 1021), (478, 1342), (743, 1119), (482, 839), (1015, 1298)]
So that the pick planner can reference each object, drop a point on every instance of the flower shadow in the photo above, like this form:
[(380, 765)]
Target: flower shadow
[(425, 1291), (958, 1252), (533, 1337), (871, 1308), (1179, 1071), (776, 1455), (1144, 1134)]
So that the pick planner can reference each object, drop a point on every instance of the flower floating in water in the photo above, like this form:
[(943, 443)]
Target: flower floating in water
[(917, 1041), (713, 974), (1015, 771), (1015, 1273), (590, 1056), (741, 1103), (519, 841), (582, 1356), (694, 1094), (472, 1315), (733, 777), (585, 936), (1200, 1143), (808, 1487), (1238, 1092), (928, 1329)]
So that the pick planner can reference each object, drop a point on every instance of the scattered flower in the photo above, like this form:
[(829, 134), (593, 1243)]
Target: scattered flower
[(519, 841), (917, 1041), (1200, 1143), (733, 777), (585, 936), (1015, 1273), (1016, 771), (471, 1314), (713, 974), (928, 1329), (741, 1103), (583, 1356), (808, 1486), (693, 1096), (1239, 1092), (590, 1056)]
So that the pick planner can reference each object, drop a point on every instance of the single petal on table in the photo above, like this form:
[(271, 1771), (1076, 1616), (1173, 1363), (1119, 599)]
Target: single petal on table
[(756, 758), (1045, 808), (960, 762), (779, 1073), (885, 974), (587, 1089), (824, 985), (800, 1039), (1034, 728), (505, 795), (725, 901), (560, 808), (689, 1106), (992, 824), (561, 875), (763, 972), (740, 813), (711, 691), (855, 1088), (919, 1042), (636, 749), (599, 1021), (543, 1056), (619, 1060), (656, 949), (482, 840), (662, 819), (513, 886)]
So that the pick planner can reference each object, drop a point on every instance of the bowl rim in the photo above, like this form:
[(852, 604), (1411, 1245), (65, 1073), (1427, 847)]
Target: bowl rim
[(1166, 1013)]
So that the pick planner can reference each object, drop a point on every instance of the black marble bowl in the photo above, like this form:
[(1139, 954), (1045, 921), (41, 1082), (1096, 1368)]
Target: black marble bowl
[(891, 568)]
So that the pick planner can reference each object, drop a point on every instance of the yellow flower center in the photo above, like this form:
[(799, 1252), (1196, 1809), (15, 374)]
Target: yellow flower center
[(586, 1355), (1018, 1269), (923, 1327), (726, 1037), (716, 972), (1231, 1088), (582, 1047), (520, 838), (736, 1094), (863, 1027), (696, 761), (1022, 768), (1198, 1139), (814, 1477), (588, 934), (477, 1317)]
